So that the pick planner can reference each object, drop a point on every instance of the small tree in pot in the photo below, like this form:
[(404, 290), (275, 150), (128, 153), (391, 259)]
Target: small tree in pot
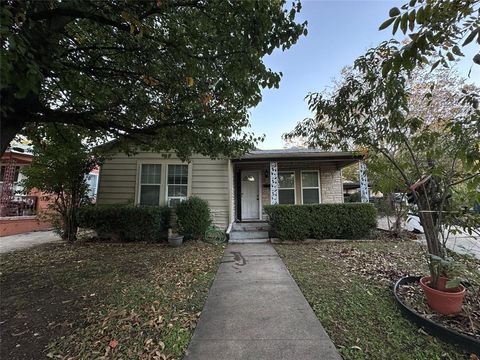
[(432, 156)]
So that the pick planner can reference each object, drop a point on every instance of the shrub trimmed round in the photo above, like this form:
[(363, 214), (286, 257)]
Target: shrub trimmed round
[(193, 217), (126, 222), (322, 221)]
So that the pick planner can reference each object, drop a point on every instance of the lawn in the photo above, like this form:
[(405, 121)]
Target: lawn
[(348, 284), (99, 300)]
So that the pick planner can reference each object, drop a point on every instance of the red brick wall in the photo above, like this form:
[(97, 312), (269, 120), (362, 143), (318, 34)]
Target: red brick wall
[(19, 225)]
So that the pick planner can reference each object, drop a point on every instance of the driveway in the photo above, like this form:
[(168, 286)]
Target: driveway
[(255, 310), (26, 240), (464, 243), (460, 241)]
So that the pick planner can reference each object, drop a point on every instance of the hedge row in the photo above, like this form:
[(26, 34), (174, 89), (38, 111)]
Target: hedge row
[(322, 221), (126, 222)]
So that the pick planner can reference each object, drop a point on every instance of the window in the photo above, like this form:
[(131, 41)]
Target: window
[(17, 179), (310, 187), (286, 188), (92, 182), (177, 184), (15, 176), (150, 184)]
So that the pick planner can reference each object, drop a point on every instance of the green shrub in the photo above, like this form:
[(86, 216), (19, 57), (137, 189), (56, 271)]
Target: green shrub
[(126, 222), (355, 197), (289, 222), (193, 217), (322, 221)]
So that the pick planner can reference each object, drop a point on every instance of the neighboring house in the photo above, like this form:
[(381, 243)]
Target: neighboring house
[(23, 212), (236, 189), (92, 182), (353, 187), (20, 214)]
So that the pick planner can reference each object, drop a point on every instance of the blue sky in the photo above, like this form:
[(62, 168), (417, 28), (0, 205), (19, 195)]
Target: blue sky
[(338, 32)]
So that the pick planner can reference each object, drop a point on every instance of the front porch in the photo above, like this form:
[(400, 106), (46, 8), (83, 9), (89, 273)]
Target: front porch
[(298, 176), (295, 176)]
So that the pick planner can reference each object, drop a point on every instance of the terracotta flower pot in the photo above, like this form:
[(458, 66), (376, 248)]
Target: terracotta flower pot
[(445, 301)]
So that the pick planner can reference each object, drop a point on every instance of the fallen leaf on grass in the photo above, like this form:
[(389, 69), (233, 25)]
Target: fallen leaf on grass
[(423, 332), (113, 344)]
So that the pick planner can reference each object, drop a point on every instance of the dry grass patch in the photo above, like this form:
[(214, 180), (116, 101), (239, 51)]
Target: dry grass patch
[(103, 301)]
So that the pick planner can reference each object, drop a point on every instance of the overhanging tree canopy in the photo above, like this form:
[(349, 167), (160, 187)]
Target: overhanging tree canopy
[(182, 72), (439, 28)]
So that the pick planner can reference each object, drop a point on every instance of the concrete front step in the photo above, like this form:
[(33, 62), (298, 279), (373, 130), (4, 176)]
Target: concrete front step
[(248, 241), (251, 226), (239, 235)]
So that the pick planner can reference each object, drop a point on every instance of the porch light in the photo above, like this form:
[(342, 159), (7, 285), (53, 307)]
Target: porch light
[(267, 174)]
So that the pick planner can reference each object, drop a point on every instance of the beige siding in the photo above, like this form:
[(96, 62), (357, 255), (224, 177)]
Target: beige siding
[(208, 179), (210, 182)]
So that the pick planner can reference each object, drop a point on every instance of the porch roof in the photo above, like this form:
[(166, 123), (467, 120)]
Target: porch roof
[(342, 157)]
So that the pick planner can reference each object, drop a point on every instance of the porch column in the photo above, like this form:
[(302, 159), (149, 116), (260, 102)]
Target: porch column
[(362, 174), (273, 183)]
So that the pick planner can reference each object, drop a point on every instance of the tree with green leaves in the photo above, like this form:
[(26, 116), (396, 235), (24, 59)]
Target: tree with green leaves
[(431, 158), (163, 74), (434, 96), (439, 28), (59, 166)]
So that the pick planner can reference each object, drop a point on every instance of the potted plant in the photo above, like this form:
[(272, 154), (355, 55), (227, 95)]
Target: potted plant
[(175, 239), (443, 289)]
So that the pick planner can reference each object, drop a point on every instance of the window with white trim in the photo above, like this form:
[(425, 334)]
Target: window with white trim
[(310, 187), (177, 184), (286, 187), (150, 181)]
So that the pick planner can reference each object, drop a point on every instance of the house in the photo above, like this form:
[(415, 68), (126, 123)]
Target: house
[(20, 212), (353, 187), (236, 189)]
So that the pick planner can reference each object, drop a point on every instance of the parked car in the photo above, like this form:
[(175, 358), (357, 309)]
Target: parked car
[(413, 223)]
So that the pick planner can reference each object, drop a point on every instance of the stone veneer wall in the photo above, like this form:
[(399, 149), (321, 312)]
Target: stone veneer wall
[(331, 186)]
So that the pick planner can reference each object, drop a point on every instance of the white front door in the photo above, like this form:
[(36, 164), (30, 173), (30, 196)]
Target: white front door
[(250, 195)]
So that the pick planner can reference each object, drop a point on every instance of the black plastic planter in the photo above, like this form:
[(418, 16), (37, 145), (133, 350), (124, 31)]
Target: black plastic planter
[(468, 343)]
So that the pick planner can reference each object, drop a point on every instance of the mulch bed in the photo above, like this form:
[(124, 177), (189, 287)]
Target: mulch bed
[(466, 322)]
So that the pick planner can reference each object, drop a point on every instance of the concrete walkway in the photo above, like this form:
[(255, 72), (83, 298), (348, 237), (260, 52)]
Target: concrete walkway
[(255, 310), (26, 240)]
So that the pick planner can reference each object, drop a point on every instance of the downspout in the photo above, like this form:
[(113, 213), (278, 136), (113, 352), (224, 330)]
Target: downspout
[(231, 210)]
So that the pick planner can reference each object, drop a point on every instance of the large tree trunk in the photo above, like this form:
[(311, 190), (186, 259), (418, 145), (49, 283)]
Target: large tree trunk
[(17, 112), (8, 129)]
